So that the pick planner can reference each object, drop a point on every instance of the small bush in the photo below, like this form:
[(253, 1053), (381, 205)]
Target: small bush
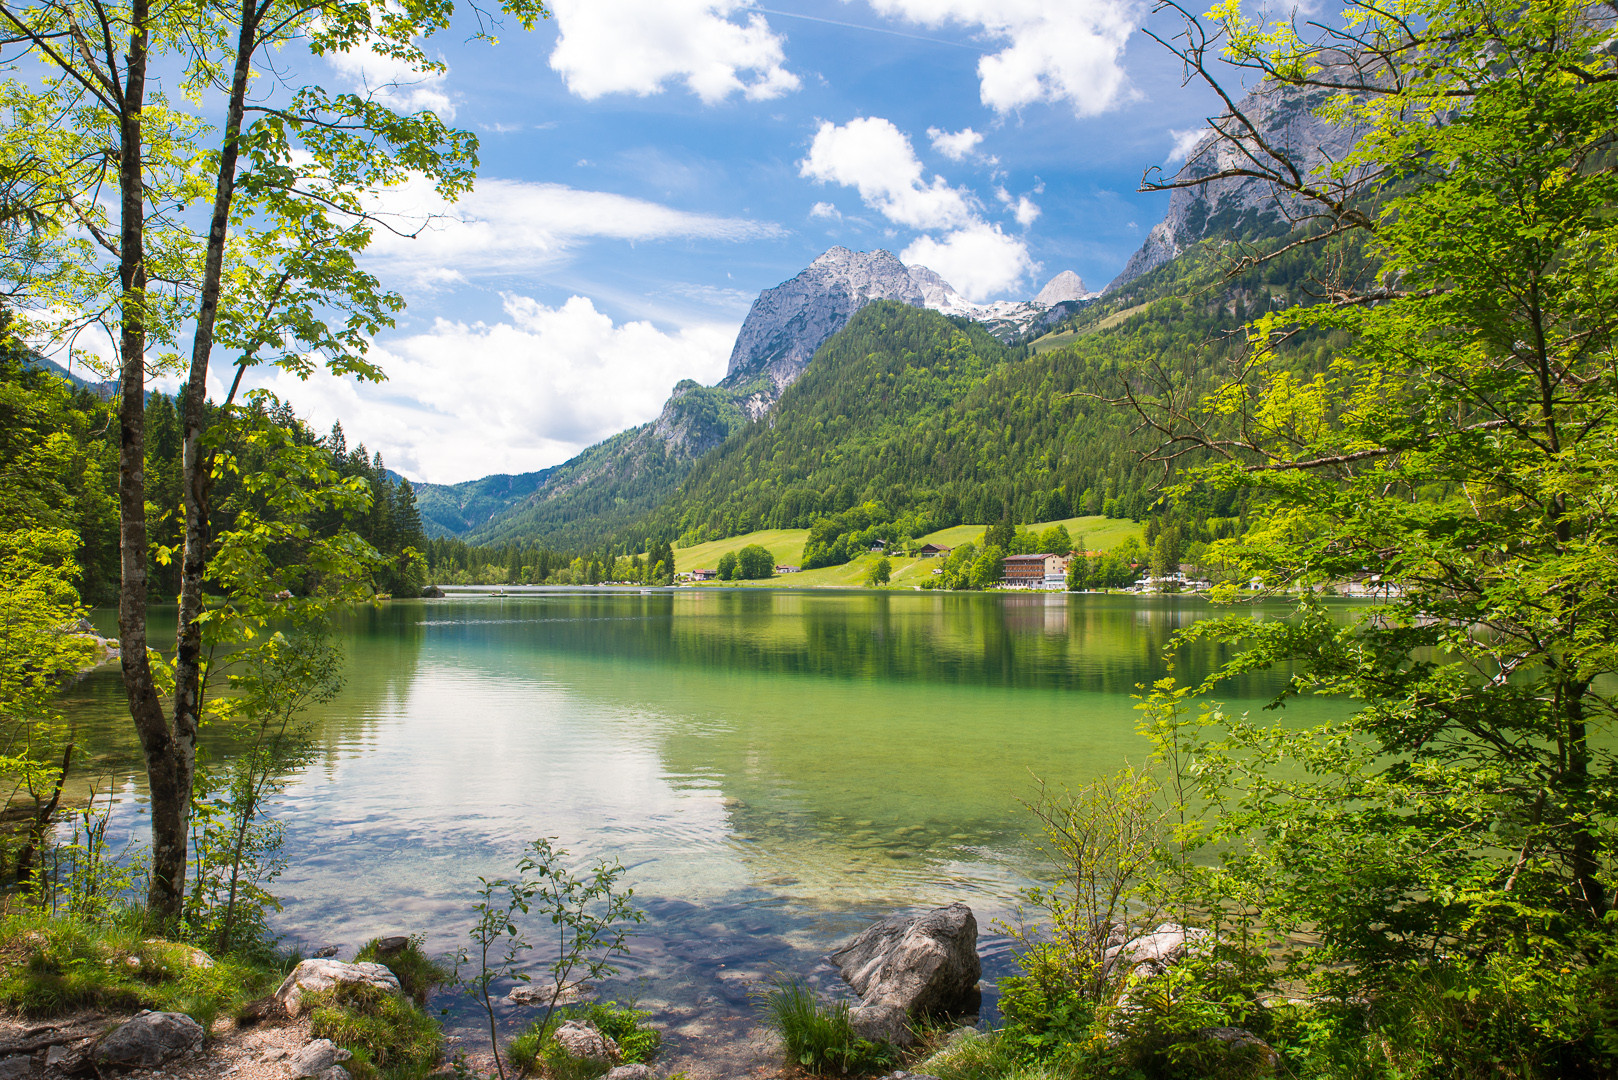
[(819, 1037), (637, 1043), (986, 1057), (388, 1036), (417, 972)]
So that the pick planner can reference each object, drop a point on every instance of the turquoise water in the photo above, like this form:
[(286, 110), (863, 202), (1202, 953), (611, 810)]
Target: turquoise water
[(773, 768)]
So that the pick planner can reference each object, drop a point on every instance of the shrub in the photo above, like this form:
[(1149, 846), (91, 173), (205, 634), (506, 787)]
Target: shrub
[(819, 1037), (388, 1036), (637, 1043)]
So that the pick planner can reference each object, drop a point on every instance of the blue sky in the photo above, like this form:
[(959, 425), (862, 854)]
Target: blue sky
[(648, 166)]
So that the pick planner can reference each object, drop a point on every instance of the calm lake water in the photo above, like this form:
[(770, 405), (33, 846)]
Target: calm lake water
[(773, 768)]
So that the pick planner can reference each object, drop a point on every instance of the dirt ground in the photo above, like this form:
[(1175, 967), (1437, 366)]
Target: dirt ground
[(703, 1049)]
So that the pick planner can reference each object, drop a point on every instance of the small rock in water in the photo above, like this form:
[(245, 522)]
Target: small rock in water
[(326, 952), (540, 996), (925, 963), (630, 1072), (18, 1066), (389, 947)]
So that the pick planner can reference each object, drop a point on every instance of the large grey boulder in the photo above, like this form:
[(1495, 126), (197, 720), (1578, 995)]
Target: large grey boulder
[(149, 1039), (925, 964), (882, 1022), (313, 976), (584, 1041)]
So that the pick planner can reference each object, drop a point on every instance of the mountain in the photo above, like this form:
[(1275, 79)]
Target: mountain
[(604, 488), (624, 477), (1241, 206), (788, 323)]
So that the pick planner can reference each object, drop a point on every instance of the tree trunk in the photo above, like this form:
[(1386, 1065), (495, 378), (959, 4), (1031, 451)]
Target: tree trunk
[(145, 703), (197, 468)]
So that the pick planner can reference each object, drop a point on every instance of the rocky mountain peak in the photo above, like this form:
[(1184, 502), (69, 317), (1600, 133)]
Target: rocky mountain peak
[(789, 322), (1063, 287), (1287, 118)]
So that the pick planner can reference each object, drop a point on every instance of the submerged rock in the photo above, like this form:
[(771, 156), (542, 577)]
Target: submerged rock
[(925, 964), (540, 996), (149, 1039), (313, 976)]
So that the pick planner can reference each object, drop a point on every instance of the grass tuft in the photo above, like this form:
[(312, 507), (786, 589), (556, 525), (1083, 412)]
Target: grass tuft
[(417, 972), (51, 966), (819, 1037), (389, 1037)]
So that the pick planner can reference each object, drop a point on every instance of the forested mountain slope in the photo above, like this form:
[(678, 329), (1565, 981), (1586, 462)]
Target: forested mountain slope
[(933, 418)]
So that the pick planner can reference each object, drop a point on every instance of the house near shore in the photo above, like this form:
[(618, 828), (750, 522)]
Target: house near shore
[(782, 568), (932, 551), (1179, 581), (1042, 571), (704, 575)]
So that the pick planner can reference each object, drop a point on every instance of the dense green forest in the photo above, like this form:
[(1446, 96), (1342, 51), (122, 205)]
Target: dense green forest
[(930, 422), (59, 465)]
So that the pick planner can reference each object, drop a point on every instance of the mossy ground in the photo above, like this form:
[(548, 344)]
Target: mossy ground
[(50, 966)]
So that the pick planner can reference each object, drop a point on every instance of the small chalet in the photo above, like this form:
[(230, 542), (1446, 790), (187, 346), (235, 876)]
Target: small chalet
[(704, 575), (784, 569), (931, 551), (1043, 571)]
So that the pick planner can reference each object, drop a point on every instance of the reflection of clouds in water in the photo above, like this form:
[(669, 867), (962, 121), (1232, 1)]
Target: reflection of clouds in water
[(774, 768)]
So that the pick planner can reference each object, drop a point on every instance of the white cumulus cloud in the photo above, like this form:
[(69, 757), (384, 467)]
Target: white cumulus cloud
[(512, 226), (1184, 142), (875, 158), (955, 145), (978, 260), (466, 400), (637, 46), (393, 82), (1054, 50), (825, 210)]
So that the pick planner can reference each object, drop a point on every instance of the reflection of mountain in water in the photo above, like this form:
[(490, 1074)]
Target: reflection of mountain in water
[(1101, 644)]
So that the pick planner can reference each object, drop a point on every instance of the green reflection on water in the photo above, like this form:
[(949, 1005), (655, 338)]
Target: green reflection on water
[(781, 764)]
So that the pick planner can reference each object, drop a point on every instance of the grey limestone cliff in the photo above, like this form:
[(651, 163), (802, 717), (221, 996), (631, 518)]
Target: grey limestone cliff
[(789, 322), (1241, 205)]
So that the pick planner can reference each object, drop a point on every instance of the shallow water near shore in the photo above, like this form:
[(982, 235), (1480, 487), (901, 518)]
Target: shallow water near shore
[(773, 769)]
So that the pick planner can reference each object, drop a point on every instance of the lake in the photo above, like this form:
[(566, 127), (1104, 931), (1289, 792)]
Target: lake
[(774, 768)]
